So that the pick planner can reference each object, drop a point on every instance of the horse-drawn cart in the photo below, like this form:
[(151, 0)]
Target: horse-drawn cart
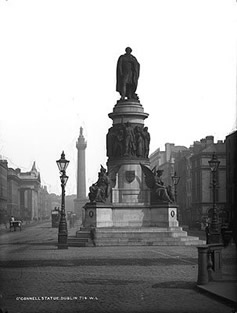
[(15, 224)]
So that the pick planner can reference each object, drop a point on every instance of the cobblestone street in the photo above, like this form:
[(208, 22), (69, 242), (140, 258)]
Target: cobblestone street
[(37, 277)]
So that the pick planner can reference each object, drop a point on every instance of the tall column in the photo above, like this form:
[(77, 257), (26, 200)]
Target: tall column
[(81, 175), (81, 166)]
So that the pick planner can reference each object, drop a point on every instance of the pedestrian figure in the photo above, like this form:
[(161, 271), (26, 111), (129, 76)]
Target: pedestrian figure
[(92, 235)]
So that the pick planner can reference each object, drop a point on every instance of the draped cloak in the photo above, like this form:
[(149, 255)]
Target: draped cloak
[(128, 70)]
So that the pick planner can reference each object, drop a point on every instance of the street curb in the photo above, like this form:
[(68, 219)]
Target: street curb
[(216, 296)]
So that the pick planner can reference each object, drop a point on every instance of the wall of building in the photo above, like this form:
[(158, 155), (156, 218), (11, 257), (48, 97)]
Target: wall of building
[(231, 174), (3, 191), (194, 193), (21, 195), (13, 197)]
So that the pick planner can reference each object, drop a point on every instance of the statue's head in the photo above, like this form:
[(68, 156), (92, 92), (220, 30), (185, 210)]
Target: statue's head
[(128, 50)]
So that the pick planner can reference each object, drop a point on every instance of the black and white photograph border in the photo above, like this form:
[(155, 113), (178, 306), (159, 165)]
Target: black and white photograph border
[(91, 93)]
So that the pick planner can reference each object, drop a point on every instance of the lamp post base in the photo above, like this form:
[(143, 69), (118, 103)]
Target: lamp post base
[(62, 241)]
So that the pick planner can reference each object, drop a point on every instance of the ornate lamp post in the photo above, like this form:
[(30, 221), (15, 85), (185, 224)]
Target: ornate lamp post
[(62, 229), (175, 180), (214, 231)]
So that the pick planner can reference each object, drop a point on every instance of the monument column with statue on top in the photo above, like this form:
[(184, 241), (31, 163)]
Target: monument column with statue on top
[(129, 203), (81, 198)]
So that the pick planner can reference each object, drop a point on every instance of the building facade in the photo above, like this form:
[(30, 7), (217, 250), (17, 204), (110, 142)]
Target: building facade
[(165, 160), (231, 174), (194, 192), (182, 168), (3, 191), (202, 199), (13, 196), (21, 194)]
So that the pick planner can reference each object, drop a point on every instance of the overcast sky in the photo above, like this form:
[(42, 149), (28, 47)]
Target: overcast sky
[(58, 72)]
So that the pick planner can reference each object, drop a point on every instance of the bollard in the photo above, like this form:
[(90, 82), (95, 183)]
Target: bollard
[(209, 265), (216, 253), (202, 265)]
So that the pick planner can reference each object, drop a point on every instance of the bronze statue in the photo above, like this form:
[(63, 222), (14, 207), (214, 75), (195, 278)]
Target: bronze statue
[(128, 70), (139, 141), (101, 190), (147, 139), (127, 140), (130, 145), (159, 192)]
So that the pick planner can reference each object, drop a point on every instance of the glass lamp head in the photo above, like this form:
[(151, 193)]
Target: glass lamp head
[(62, 163), (214, 163)]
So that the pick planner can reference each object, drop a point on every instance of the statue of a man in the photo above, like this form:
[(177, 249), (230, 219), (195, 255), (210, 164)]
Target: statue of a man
[(128, 70), (130, 146)]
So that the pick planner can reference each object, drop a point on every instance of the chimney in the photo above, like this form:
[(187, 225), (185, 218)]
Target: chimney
[(209, 140), (168, 151)]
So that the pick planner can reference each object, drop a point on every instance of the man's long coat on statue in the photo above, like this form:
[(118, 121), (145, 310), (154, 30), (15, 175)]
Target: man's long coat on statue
[(128, 70)]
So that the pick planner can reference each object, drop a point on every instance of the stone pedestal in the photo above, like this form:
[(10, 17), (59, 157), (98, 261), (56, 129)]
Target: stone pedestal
[(98, 215), (130, 187), (128, 146), (128, 111), (130, 215)]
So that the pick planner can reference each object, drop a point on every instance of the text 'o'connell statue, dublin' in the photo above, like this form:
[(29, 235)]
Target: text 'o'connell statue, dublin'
[(128, 70)]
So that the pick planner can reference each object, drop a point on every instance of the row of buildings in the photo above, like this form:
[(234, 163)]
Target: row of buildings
[(194, 190), (23, 196)]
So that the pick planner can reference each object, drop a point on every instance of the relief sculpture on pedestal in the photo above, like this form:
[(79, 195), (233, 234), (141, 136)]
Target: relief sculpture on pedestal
[(127, 140)]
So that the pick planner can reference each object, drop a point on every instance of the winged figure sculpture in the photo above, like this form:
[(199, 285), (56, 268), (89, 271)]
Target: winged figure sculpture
[(159, 192)]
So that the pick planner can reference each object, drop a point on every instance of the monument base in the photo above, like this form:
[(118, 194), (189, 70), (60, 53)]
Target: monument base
[(130, 215), (125, 225), (98, 215)]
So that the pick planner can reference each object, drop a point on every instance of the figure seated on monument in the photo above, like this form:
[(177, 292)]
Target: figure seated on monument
[(159, 192), (99, 190)]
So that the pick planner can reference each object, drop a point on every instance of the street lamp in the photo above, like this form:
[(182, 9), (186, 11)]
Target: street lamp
[(214, 227), (62, 229), (175, 180)]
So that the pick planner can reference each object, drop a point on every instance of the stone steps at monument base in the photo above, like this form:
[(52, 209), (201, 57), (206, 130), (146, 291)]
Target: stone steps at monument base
[(78, 242), (132, 229), (148, 243), (164, 240), (83, 234), (131, 237), (136, 242)]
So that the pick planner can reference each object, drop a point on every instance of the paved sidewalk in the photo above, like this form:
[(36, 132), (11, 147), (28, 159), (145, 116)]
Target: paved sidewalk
[(223, 290), (37, 277), (226, 288)]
